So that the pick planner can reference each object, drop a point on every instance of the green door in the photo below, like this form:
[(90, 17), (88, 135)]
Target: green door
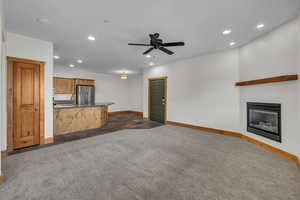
[(157, 100)]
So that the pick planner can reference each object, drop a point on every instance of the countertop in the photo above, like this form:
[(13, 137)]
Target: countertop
[(82, 106)]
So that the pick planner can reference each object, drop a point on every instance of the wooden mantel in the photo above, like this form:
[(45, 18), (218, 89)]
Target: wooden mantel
[(269, 80)]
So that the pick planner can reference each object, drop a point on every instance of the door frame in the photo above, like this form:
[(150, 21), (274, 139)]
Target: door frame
[(165, 79), (10, 101)]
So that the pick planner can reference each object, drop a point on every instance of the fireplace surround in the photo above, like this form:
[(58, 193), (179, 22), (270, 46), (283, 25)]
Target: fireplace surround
[(264, 119)]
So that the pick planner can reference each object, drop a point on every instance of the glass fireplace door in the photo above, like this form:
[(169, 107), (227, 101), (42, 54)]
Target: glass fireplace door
[(264, 119)]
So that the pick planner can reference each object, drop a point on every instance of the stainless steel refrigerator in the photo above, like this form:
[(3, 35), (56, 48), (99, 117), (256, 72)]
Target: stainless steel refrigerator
[(85, 95)]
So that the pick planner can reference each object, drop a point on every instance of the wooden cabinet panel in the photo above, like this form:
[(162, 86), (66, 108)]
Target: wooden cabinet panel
[(68, 85), (84, 82), (78, 119), (104, 114), (63, 85)]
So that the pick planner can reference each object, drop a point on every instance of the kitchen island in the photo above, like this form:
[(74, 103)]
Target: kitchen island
[(72, 118)]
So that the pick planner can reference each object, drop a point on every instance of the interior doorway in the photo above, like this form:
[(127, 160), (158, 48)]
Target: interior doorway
[(157, 101), (25, 106)]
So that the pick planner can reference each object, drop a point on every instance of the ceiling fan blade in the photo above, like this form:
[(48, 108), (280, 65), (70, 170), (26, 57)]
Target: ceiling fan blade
[(148, 51), (139, 44), (172, 44), (166, 50)]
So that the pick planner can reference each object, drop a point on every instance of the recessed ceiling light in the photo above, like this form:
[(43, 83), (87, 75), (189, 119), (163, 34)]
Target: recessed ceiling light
[(56, 57), (226, 32), (92, 38), (71, 65), (43, 21), (151, 64), (232, 43), (79, 61), (259, 26), (148, 56)]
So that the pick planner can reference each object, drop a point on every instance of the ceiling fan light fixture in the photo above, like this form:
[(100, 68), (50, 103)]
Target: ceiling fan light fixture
[(148, 56), (42, 20), (157, 43), (124, 76)]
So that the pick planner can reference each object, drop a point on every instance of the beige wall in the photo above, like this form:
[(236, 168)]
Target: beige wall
[(135, 94), (109, 88), (274, 54), (30, 48), (126, 94), (201, 90), (298, 81), (2, 81)]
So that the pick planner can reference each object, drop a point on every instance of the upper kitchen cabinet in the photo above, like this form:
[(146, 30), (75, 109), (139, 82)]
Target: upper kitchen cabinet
[(84, 82), (68, 85), (63, 85)]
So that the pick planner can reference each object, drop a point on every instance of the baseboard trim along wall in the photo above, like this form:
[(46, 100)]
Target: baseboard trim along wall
[(1, 178), (135, 112), (270, 148), (43, 141), (48, 140), (4, 153), (212, 130), (125, 112), (265, 146)]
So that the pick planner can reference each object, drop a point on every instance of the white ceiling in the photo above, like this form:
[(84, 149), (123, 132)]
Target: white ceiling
[(199, 23)]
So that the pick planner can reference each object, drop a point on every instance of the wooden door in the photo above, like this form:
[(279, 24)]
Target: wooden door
[(26, 104), (157, 92)]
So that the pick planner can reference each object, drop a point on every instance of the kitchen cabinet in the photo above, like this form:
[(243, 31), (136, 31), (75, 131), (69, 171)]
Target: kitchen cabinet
[(68, 85), (104, 114), (63, 85), (84, 82), (75, 118)]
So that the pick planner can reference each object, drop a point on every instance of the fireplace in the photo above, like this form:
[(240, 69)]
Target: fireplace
[(264, 119)]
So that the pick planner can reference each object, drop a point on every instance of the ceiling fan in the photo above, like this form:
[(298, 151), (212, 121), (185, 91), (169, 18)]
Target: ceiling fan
[(156, 43)]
